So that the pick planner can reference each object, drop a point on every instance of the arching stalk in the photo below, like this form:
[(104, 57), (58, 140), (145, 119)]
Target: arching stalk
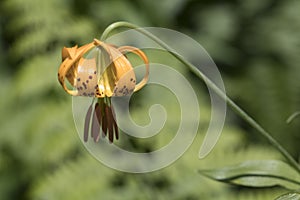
[(210, 84)]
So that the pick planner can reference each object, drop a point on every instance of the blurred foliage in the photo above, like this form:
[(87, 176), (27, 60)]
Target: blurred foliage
[(255, 44)]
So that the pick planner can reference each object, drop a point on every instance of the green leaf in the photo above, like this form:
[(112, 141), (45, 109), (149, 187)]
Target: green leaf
[(289, 196), (261, 173)]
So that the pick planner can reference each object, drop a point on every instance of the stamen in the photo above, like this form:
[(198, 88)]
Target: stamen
[(109, 124), (95, 125), (98, 111), (104, 121), (87, 123), (115, 122)]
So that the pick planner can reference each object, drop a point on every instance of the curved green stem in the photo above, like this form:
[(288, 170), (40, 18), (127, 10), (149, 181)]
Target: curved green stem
[(210, 84), (292, 117)]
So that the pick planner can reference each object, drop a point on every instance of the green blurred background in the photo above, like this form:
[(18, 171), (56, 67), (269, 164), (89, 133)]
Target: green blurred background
[(255, 44)]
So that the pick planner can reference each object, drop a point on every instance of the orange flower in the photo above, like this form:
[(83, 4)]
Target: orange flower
[(100, 70)]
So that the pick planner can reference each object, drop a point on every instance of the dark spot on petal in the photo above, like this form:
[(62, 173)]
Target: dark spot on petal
[(78, 79), (90, 77), (95, 72), (87, 81)]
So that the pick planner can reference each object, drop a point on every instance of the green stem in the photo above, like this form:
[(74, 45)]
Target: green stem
[(210, 84), (292, 117)]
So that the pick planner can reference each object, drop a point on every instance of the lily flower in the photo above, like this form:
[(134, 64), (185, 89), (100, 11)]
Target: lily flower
[(100, 70)]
